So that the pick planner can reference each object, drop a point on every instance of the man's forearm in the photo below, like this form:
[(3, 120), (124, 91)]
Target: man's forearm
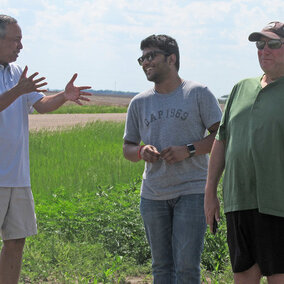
[(50, 103), (9, 97), (204, 146), (130, 151), (216, 167)]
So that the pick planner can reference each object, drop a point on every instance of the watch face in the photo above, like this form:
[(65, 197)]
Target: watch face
[(191, 149)]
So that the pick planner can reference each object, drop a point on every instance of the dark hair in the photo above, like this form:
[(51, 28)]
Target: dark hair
[(4, 21), (164, 43)]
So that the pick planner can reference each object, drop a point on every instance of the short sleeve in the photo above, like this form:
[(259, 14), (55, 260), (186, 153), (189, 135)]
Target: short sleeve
[(131, 131), (209, 108)]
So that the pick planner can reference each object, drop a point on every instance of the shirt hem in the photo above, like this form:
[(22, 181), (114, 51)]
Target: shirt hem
[(171, 196)]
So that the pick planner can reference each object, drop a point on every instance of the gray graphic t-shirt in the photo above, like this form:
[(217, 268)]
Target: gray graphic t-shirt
[(173, 119)]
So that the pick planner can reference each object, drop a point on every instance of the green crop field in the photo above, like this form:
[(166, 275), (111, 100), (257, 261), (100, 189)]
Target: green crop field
[(87, 206)]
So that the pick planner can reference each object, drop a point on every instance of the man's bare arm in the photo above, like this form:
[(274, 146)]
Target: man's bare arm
[(71, 93), (215, 170), (175, 154)]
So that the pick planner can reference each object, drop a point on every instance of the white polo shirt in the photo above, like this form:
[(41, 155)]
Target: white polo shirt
[(14, 131)]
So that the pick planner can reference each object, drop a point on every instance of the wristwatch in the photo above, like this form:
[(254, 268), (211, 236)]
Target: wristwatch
[(191, 150)]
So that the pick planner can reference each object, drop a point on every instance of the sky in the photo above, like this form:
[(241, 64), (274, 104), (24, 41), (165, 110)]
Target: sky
[(100, 39)]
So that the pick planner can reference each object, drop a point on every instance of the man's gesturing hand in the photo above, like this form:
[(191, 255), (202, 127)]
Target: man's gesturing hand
[(73, 93), (30, 84)]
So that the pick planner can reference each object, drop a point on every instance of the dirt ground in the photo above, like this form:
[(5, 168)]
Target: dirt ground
[(59, 121), (109, 100)]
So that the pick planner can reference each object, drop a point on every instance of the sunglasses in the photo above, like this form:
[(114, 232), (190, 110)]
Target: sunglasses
[(272, 44), (150, 56)]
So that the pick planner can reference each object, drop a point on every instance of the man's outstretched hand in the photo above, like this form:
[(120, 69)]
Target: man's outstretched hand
[(75, 94)]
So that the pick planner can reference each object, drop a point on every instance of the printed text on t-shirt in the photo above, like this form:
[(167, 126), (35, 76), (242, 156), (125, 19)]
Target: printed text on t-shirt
[(166, 114)]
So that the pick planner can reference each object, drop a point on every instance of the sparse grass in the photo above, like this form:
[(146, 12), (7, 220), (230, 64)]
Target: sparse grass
[(89, 109)]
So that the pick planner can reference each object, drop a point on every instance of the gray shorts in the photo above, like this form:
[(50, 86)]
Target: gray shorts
[(17, 214)]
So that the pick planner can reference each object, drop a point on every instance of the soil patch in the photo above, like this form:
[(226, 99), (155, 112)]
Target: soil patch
[(60, 121)]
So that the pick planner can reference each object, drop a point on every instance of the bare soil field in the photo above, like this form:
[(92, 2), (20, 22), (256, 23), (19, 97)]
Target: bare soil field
[(60, 121), (107, 100)]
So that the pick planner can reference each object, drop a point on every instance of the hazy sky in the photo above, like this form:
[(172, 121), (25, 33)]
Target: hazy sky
[(100, 39)]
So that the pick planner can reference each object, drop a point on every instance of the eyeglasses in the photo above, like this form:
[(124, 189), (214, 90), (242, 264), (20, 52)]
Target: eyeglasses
[(272, 44), (150, 56)]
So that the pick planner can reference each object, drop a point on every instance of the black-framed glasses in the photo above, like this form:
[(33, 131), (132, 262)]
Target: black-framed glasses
[(150, 56), (272, 44)]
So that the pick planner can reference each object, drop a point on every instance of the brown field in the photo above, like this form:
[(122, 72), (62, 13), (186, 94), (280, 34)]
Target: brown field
[(103, 99), (59, 121)]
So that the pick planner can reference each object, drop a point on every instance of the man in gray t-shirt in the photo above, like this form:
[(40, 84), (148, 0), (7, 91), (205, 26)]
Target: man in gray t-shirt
[(171, 120)]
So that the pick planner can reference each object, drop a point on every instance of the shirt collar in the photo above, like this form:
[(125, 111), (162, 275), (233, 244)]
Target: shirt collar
[(5, 67)]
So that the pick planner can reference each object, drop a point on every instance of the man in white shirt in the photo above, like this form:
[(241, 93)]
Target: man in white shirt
[(19, 94)]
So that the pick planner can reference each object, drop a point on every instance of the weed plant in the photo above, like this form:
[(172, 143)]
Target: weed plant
[(87, 235)]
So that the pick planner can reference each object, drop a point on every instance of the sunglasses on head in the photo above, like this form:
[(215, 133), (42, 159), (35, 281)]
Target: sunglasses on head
[(150, 56), (272, 44)]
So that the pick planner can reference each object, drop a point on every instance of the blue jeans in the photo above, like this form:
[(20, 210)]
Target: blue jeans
[(175, 231)]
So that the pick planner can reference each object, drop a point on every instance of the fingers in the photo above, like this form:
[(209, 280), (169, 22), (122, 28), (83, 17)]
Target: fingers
[(41, 90), (174, 154), (84, 87), (217, 215), (30, 84), (39, 80), (212, 218), (86, 94), (84, 99), (78, 102), (209, 222), (73, 79), (25, 71), (33, 75), (40, 85), (164, 152), (150, 154)]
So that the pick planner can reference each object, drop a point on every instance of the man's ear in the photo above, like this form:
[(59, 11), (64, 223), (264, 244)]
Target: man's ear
[(172, 59)]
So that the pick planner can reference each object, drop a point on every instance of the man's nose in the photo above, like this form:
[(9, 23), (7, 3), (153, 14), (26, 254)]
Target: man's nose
[(20, 45)]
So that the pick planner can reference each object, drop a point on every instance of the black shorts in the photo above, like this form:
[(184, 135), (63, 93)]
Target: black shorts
[(256, 238)]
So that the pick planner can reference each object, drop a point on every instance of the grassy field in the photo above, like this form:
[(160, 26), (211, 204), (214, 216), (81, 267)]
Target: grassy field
[(87, 206), (80, 158)]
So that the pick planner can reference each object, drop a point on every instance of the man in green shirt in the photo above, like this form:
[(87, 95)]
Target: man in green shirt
[(250, 147)]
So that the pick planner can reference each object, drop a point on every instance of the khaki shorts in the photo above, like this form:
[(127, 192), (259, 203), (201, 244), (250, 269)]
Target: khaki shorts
[(17, 214)]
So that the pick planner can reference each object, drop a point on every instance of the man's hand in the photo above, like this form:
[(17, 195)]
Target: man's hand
[(150, 154), (73, 93), (174, 154), (29, 84), (212, 210)]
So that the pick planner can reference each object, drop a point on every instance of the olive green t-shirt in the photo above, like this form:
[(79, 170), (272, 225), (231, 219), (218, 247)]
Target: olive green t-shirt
[(253, 128)]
